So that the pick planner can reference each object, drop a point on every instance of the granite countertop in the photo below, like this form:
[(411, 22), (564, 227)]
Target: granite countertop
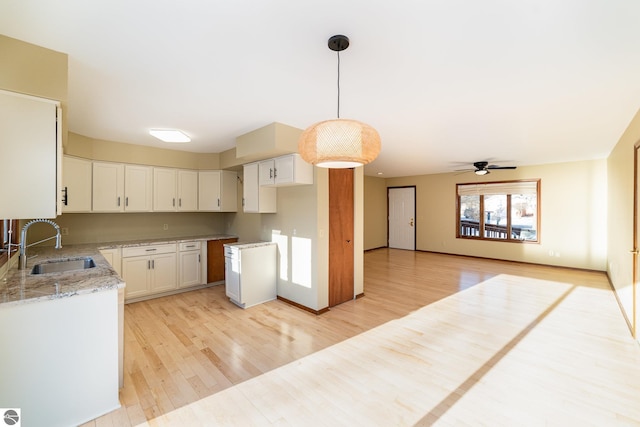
[(145, 242), (247, 245), (20, 286)]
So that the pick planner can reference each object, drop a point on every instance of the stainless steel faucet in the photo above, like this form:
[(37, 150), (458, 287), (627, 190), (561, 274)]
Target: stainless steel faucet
[(22, 259)]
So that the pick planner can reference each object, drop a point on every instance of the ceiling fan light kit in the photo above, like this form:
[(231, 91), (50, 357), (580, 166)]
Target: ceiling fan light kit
[(339, 143)]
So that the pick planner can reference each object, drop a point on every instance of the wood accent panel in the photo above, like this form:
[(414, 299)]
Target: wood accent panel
[(341, 217), (548, 345), (215, 259)]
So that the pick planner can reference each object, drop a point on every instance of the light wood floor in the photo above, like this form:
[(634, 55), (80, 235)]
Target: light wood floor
[(437, 340)]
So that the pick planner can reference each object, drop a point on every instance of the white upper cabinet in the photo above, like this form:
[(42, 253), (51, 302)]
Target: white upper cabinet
[(121, 188), (108, 187), (175, 190), (256, 198), (138, 188), (218, 191), (76, 184), (284, 171), (187, 190), (31, 150), (164, 190)]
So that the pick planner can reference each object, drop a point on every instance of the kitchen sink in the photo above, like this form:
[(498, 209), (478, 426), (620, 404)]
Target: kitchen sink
[(59, 266)]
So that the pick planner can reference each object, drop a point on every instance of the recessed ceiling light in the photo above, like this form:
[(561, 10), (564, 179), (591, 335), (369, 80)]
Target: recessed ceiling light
[(169, 135)]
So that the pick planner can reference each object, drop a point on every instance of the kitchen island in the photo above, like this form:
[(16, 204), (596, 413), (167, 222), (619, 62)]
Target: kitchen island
[(60, 335)]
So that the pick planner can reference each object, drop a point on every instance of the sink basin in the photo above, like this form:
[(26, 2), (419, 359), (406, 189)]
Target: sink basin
[(63, 265)]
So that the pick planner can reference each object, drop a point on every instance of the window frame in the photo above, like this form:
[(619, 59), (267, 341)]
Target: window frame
[(481, 222), (5, 224)]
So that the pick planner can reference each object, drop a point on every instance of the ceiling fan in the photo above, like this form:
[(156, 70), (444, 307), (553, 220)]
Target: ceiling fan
[(483, 168)]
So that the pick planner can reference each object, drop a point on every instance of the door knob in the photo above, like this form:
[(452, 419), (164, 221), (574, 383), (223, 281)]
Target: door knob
[(411, 223)]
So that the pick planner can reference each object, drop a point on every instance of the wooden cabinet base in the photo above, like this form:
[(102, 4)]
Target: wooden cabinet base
[(215, 259)]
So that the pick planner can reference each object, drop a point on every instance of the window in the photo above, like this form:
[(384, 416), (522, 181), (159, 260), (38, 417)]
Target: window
[(506, 211), (9, 235)]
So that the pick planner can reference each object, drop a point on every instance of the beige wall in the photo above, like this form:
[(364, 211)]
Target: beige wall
[(301, 228), (573, 213), (375, 212), (620, 221), (104, 227), (111, 151), (34, 70)]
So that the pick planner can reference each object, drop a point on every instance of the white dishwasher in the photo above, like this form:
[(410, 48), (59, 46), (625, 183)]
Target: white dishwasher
[(250, 273)]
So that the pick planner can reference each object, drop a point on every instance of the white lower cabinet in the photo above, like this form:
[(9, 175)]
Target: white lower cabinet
[(149, 269), (113, 257), (189, 265)]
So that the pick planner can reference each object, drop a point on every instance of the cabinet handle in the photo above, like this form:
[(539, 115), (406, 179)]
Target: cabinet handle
[(218, 202), (191, 246), (126, 201), (180, 202), (65, 198), (270, 173), (174, 202), (275, 173), (151, 250), (148, 265), (198, 257), (153, 264), (118, 200)]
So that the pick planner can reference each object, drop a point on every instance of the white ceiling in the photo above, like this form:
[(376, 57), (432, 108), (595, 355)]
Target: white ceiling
[(443, 81)]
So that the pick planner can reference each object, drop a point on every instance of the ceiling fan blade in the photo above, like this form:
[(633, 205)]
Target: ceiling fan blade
[(501, 167)]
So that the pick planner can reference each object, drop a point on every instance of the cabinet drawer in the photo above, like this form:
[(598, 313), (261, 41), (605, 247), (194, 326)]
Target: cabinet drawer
[(189, 246), (149, 250)]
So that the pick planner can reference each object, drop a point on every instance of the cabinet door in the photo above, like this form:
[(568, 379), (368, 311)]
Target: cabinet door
[(163, 272), (137, 188), (209, 185), (108, 187), (189, 269), (267, 172), (293, 170), (250, 188), (76, 184), (284, 170), (135, 272), (30, 151), (187, 190), (257, 198), (229, 191), (113, 258), (164, 190)]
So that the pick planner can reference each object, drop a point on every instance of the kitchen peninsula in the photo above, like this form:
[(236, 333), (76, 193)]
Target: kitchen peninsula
[(63, 333)]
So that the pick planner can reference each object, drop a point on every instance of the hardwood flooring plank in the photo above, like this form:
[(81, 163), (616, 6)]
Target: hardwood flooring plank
[(437, 339)]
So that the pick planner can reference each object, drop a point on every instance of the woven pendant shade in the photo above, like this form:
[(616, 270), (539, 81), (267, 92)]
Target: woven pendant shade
[(339, 143)]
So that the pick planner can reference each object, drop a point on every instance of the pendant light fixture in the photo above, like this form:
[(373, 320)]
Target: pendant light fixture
[(339, 143)]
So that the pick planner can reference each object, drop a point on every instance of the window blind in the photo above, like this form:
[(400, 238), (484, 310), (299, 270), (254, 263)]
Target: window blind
[(494, 188)]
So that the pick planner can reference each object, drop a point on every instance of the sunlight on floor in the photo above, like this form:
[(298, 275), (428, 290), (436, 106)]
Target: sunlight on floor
[(508, 351)]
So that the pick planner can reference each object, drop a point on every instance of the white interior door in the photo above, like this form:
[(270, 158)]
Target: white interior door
[(402, 215)]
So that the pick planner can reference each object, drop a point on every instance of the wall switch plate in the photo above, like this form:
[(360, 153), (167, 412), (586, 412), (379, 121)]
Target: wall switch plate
[(165, 226)]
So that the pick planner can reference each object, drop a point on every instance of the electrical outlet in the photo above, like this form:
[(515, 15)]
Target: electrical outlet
[(64, 231), (165, 226)]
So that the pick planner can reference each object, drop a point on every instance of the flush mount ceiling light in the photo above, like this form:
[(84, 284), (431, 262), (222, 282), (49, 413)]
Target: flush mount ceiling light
[(482, 172), (169, 135), (339, 143)]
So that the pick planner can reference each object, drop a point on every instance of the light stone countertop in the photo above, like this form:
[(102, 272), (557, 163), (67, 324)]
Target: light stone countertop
[(247, 245), (20, 286)]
